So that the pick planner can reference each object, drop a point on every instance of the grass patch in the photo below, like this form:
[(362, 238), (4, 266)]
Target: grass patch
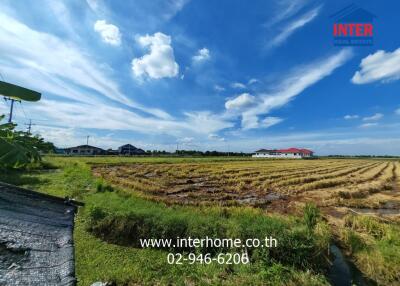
[(375, 246)]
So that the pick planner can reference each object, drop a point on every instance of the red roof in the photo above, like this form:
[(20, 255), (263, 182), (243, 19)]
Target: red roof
[(295, 150)]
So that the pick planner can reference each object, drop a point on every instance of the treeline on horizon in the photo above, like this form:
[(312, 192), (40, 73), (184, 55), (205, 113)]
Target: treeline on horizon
[(196, 153)]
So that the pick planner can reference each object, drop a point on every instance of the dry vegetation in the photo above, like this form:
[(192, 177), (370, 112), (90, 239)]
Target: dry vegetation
[(330, 183)]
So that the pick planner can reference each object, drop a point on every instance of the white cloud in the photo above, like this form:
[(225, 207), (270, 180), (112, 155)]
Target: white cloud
[(380, 66), (349, 117), (93, 4), (294, 25), (159, 62), (250, 121), (294, 83), (241, 101), (397, 111), (270, 121), (368, 125), (253, 81), (286, 9), (216, 137), (48, 63), (186, 140), (238, 85), (201, 56), (219, 88), (374, 117), (173, 7), (108, 32), (206, 122)]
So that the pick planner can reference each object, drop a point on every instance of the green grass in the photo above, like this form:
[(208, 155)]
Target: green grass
[(375, 246)]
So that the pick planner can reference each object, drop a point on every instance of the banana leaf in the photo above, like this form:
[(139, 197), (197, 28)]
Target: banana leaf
[(13, 155), (17, 149), (18, 92)]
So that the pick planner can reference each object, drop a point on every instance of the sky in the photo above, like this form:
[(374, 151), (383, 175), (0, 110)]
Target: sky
[(224, 75)]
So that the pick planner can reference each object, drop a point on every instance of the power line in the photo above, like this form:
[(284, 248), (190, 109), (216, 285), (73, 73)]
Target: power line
[(23, 110)]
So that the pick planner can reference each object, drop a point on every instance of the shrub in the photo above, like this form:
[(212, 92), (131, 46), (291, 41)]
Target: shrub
[(103, 187), (311, 216)]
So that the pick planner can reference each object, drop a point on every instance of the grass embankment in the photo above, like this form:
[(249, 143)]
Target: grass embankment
[(375, 246), (108, 227)]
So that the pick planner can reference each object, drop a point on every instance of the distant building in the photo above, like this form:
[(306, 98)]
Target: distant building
[(129, 149), (291, 153), (84, 150), (112, 152)]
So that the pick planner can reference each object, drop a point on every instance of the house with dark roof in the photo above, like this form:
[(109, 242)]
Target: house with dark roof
[(84, 150), (130, 150), (290, 153)]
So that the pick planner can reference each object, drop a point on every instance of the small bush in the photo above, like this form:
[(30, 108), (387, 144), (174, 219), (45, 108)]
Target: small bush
[(102, 187)]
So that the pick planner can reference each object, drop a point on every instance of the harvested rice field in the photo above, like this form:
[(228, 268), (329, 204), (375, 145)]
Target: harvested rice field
[(278, 185)]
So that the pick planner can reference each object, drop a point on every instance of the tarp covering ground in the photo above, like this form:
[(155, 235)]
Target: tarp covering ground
[(36, 238)]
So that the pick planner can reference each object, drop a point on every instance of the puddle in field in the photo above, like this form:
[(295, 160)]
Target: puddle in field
[(381, 211), (343, 272), (251, 199)]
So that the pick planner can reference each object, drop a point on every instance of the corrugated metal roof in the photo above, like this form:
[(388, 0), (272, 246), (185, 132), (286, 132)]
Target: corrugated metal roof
[(36, 241)]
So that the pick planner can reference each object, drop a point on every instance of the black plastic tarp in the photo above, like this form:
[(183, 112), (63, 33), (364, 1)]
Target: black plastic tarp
[(36, 238)]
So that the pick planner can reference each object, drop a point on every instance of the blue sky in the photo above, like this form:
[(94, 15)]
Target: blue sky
[(206, 75)]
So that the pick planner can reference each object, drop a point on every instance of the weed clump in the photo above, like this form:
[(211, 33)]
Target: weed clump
[(102, 187), (311, 216)]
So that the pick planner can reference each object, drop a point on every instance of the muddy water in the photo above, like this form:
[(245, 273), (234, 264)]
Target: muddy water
[(381, 211), (344, 273)]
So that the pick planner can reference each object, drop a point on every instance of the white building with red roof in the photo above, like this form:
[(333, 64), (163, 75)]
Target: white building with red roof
[(290, 153)]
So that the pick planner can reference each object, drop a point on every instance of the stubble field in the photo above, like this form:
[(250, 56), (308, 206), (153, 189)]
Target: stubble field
[(275, 184)]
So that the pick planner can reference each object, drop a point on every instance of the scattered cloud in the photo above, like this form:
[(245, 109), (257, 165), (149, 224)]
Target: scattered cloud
[(294, 25), (108, 32), (48, 63), (270, 121), (238, 85), (380, 66), (186, 140), (397, 111), (368, 125), (159, 62), (285, 10), (241, 101), (219, 88), (173, 7), (201, 56), (93, 4), (253, 81), (374, 117), (350, 117), (292, 85), (213, 136), (206, 122)]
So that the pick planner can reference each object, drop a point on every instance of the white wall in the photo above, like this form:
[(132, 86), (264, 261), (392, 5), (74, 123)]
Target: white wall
[(283, 155)]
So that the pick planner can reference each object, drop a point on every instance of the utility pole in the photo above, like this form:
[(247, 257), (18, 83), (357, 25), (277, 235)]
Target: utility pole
[(11, 107), (29, 126)]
